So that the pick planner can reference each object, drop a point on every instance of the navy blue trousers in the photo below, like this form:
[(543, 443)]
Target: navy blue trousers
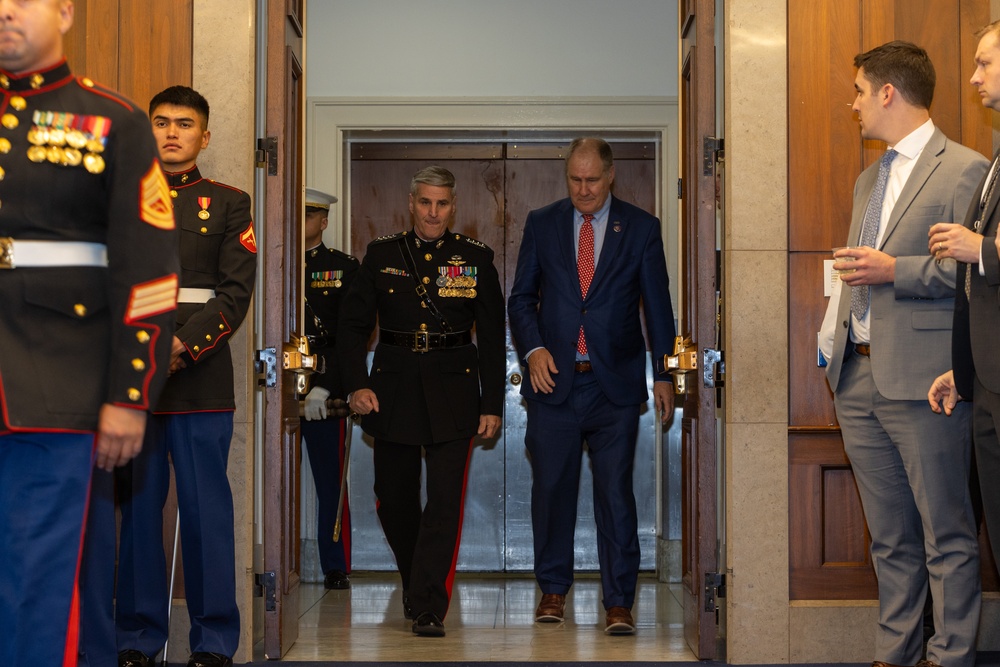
[(554, 438), (198, 446), (98, 647), (324, 440), (44, 479)]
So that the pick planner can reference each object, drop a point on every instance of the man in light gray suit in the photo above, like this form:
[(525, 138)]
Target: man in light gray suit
[(890, 327)]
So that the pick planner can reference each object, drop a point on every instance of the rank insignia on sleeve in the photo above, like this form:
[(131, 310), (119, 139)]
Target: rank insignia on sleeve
[(152, 298), (248, 240), (154, 199)]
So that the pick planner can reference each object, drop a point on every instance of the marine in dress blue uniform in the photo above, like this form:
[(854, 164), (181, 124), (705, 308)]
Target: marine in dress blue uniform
[(193, 420), (88, 276), (329, 274), (430, 389)]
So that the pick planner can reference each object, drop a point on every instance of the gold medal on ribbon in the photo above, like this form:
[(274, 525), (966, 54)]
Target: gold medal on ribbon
[(93, 163), (57, 137), (95, 146), (76, 139), (54, 154), (36, 154), (38, 136), (336, 283), (72, 157), (204, 215)]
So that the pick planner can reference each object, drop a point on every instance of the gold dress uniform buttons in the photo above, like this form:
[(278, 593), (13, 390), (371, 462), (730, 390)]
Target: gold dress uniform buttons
[(2, 173), (9, 121), (173, 194), (87, 81), (18, 103), (80, 309), (208, 337), (426, 280), (139, 364), (4, 81), (134, 394), (204, 230), (428, 257), (36, 81), (4, 145), (142, 337), (423, 327), (196, 348), (221, 327)]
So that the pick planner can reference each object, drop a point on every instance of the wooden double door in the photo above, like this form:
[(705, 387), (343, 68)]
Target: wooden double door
[(498, 183)]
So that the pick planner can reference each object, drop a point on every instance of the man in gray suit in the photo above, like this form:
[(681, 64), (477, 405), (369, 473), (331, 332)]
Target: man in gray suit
[(976, 246), (890, 326)]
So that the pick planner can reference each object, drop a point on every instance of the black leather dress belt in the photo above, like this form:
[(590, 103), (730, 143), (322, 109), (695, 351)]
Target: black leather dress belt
[(424, 341)]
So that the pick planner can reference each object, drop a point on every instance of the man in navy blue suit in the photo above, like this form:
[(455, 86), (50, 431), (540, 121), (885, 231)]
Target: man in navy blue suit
[(585, 262)]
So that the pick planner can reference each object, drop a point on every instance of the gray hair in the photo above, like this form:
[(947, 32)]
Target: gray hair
[(433, 175)]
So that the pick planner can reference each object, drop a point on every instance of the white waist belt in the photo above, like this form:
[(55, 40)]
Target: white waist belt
[(22, 254), (194, 295)]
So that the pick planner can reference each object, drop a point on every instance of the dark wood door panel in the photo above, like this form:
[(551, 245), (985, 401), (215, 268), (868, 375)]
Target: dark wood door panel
[(828, 541), (810, 402)]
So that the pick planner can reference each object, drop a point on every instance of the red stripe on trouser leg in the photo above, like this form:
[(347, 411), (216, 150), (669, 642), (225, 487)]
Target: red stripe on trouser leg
[(73, 628), (449, 582)]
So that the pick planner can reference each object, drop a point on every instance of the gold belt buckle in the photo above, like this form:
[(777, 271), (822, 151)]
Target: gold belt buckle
[(6, 252), (421, 341)]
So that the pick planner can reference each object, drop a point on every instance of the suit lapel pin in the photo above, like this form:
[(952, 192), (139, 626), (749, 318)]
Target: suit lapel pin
[(617, 227)]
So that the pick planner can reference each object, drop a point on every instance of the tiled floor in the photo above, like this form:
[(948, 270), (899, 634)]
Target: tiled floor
[(491, 619)]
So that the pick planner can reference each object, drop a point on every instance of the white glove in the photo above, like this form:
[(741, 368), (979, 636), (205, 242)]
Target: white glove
[(316, 403)]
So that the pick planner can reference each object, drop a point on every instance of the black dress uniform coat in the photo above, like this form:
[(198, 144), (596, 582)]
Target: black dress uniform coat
[(218, 252), (434, 396), (78, 163), (329, 274)]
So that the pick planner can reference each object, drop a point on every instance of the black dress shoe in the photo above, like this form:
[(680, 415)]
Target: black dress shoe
[(133, 658), (203, 659), (428, 625), (336, 580)]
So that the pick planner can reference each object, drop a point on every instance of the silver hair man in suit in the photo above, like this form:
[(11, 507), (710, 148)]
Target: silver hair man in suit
[(976, 246), (890, 327)]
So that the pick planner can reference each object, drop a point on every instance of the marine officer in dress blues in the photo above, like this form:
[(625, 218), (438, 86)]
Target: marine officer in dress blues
[(88, 283), (193, 420), (329, 273), (430, 389)]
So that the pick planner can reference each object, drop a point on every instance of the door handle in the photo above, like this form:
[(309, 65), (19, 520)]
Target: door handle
[(295, 357), (682, 362)]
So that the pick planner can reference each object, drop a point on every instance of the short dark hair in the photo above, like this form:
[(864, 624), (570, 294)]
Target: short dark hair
[(595, 144), (181, 96), (906, 66)]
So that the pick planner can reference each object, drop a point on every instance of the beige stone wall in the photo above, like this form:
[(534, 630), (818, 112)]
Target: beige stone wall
[(755, 247), (224, 74)]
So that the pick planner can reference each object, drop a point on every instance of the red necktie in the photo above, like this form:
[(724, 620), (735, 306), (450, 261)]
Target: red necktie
[(585, 267)]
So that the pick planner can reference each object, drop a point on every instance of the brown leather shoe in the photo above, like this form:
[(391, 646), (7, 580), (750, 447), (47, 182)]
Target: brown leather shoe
[(551, 608), (619, 622)]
